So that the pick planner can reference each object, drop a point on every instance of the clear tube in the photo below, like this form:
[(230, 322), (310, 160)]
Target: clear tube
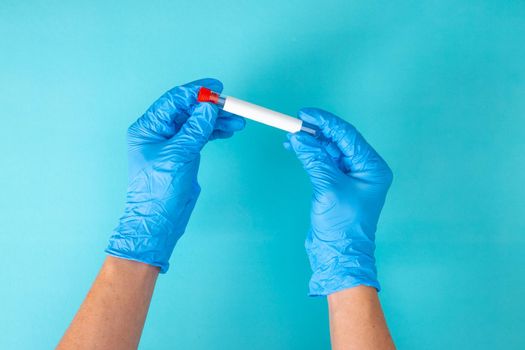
[(310, 129)]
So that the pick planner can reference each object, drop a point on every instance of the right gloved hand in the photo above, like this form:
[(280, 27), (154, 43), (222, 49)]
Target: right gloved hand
[(350, 181)]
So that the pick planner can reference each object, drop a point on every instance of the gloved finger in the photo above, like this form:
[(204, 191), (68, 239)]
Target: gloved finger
[(166, 115), (315, 160), (233, 123), (359, 155), (196, 131), (220, 134), (332, 150)]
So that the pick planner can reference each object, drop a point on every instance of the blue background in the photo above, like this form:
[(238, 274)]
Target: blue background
[(438, 87)]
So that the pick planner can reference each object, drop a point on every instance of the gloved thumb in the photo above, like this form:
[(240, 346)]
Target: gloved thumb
[(315, 160), (197, 129)]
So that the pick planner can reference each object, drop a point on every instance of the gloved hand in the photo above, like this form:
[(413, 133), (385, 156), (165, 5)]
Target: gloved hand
[(350, 181), (164, 152)]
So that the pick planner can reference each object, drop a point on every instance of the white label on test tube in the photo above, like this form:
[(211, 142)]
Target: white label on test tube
[(262, 115)]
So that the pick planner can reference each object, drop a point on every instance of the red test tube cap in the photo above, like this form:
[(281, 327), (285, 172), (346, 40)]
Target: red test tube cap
[(206, 95)]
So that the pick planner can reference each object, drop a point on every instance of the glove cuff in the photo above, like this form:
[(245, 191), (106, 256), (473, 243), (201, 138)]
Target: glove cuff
[(132, 240), (342, 273)]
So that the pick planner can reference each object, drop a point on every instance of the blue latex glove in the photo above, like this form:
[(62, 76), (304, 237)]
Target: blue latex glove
[(350, 181), (164, 152)]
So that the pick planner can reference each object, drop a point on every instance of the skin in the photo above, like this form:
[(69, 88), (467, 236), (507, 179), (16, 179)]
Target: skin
[(112, 315), (357, 320)]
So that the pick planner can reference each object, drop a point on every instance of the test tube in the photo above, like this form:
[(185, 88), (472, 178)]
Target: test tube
[(255, 112)]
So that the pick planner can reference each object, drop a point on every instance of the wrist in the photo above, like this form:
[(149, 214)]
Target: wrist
[(118, 266)]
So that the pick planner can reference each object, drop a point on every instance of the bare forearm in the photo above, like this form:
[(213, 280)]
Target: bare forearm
[(357, 320), (114, 311)]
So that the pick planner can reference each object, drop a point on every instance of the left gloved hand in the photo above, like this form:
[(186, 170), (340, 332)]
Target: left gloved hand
[(164, 153)]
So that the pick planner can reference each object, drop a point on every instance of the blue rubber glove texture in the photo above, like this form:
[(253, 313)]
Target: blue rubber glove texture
[(164, 148), (350, 181)]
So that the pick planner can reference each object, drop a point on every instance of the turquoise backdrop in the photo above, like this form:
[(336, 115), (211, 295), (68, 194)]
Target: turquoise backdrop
[(438, 87)]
